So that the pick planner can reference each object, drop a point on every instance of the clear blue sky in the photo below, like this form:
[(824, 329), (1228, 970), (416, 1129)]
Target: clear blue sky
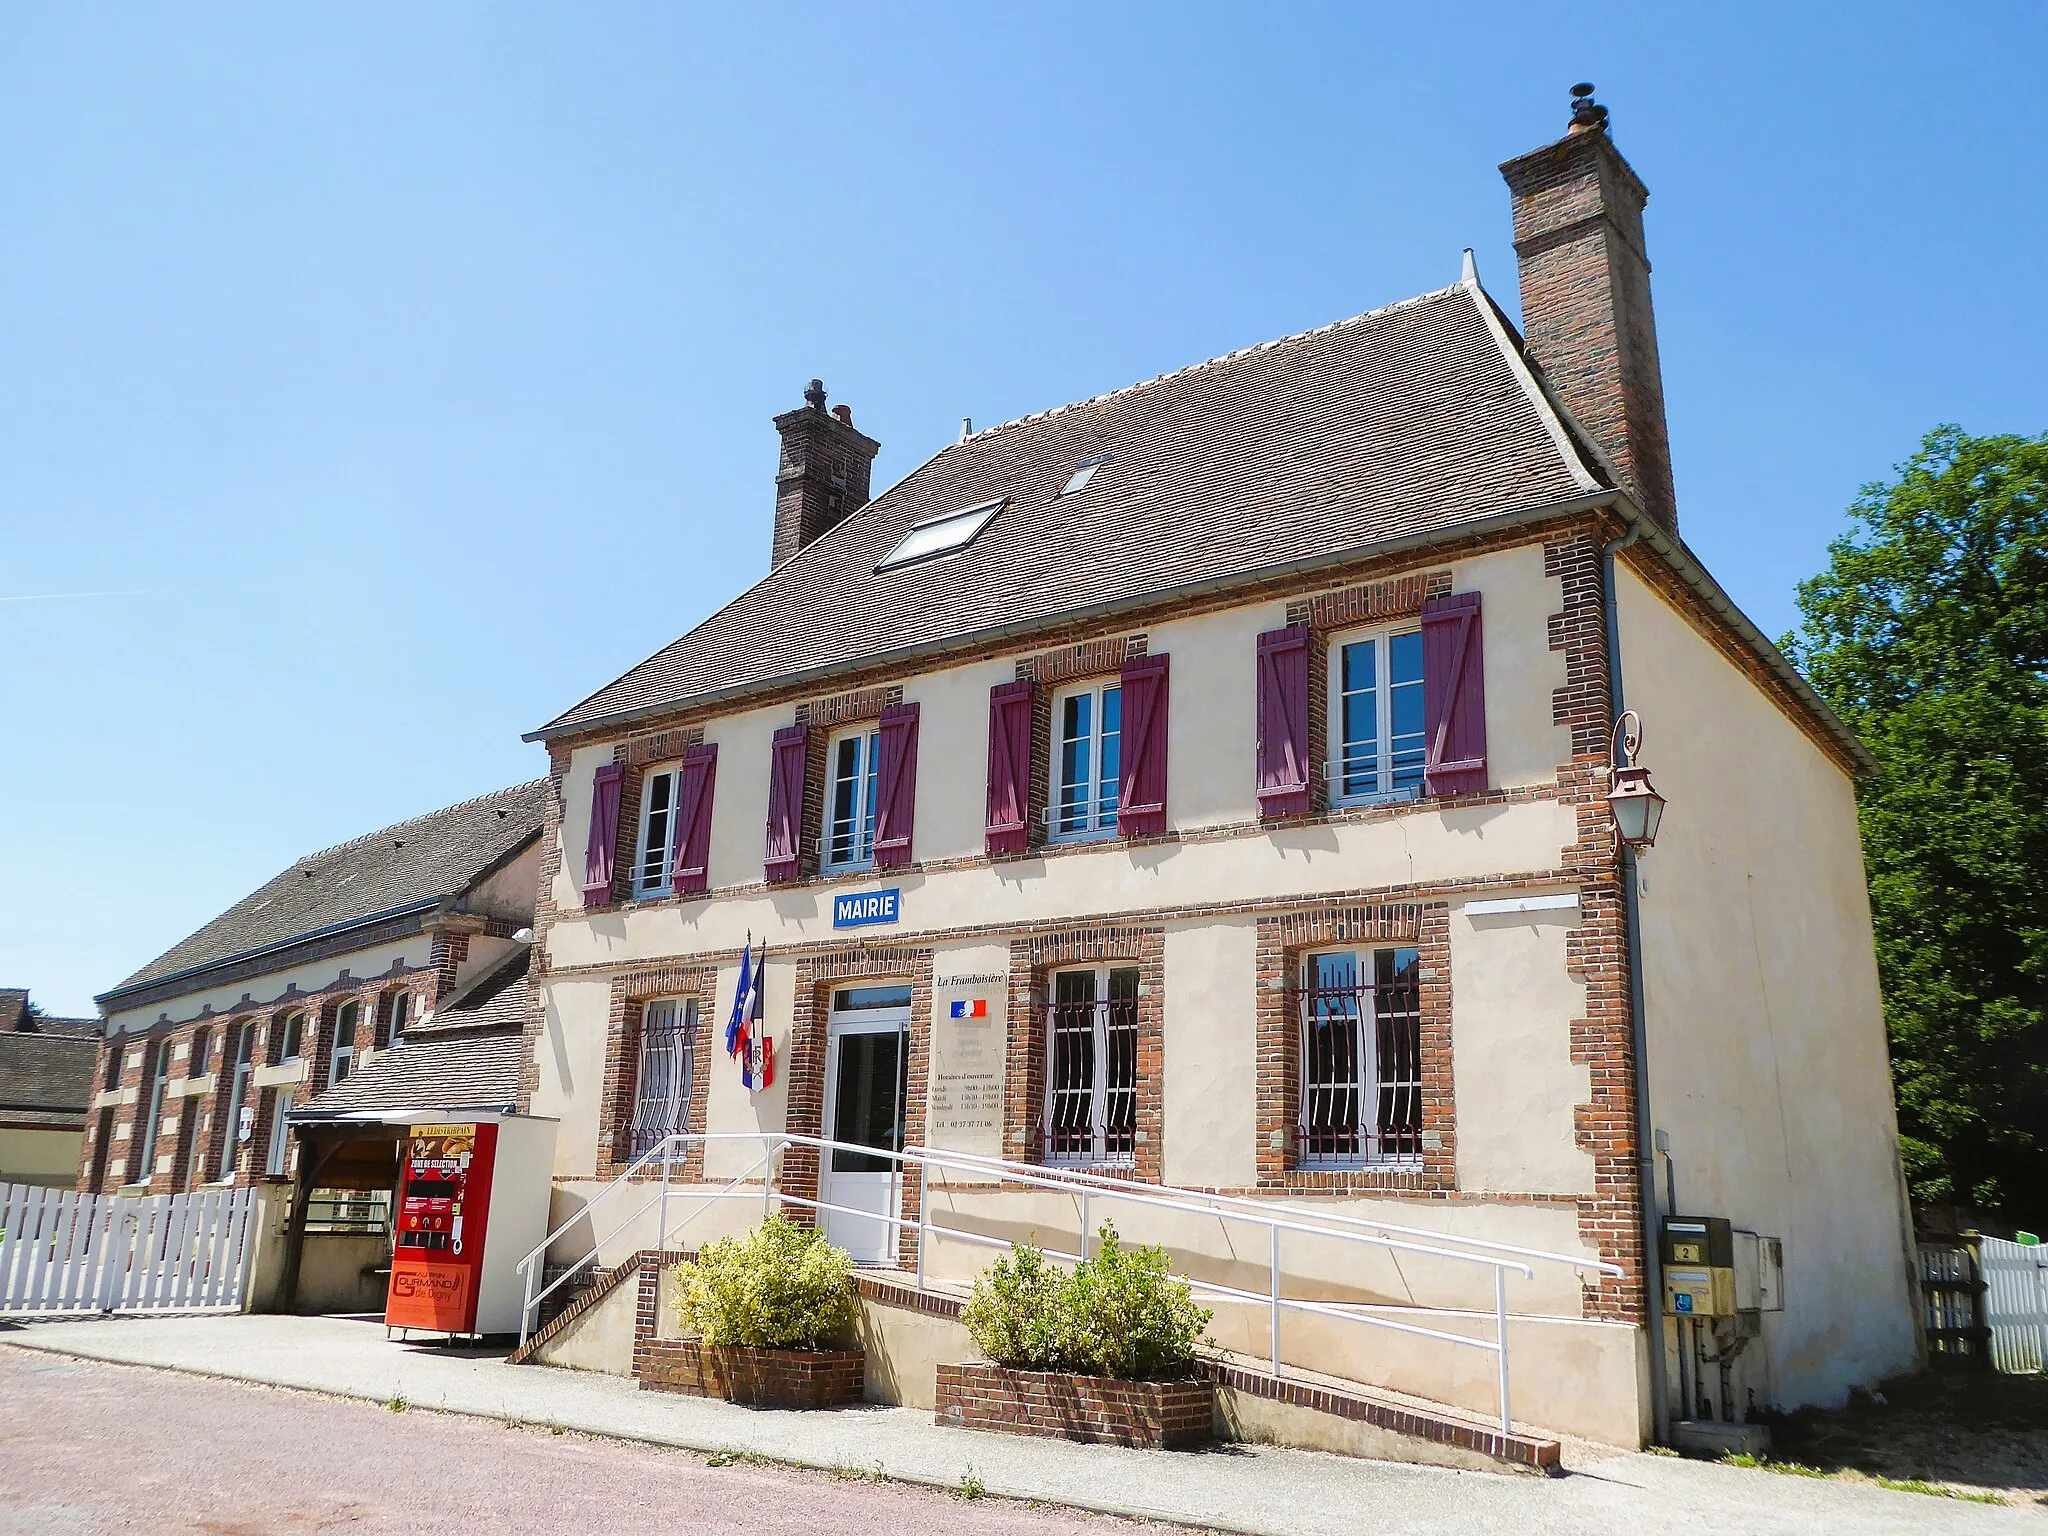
[(407, 370)]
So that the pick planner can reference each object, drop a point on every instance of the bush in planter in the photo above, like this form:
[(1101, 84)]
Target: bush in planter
[(1118, 1313), (781, 1286)]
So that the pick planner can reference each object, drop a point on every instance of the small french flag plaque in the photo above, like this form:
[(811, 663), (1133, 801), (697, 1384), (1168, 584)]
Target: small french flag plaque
[(976, 1008)]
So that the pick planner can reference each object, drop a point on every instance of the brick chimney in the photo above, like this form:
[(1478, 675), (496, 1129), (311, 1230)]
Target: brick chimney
[(1586, 297), (823, 477)]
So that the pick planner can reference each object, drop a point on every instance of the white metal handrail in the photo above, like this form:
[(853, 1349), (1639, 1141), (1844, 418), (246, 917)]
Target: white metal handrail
[(1501, 1258)]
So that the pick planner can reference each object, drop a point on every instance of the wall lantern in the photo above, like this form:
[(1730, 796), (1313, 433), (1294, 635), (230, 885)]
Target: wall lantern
[(1632, 800)]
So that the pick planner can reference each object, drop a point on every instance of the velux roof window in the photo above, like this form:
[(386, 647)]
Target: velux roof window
[(1083, 473), (942, 535)]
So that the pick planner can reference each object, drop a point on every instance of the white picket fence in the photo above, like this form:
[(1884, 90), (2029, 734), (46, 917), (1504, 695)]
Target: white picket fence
[(2016, 1304), (61, 1251)]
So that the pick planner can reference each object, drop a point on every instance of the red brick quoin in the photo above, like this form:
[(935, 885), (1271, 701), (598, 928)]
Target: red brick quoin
[(755, 1378), (1094, 1409)]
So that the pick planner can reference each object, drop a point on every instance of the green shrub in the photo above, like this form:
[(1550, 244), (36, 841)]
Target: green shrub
[(781, 1286), (1119, 1313)]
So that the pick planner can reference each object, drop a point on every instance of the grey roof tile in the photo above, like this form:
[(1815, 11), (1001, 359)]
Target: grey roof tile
[(1410, 420), (421, 860), (46, 1074), (467, 1056)]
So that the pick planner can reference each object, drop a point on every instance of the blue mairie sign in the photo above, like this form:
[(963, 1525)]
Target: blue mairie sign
[(859, 911)]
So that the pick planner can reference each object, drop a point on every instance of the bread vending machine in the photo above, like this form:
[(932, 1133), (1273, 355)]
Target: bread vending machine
[(472, 1202)]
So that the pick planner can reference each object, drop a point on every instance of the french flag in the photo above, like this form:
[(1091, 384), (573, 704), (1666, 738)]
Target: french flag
[(978, 1009)]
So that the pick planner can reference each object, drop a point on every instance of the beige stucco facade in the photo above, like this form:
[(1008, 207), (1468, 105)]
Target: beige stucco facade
[(1768, 1065), (1511, 877)]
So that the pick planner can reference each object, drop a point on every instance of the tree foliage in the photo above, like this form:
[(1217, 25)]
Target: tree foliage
[(1928, 633)]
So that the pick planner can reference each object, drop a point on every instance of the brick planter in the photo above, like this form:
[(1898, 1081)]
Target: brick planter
[(1090, 1408), (755, 1378)]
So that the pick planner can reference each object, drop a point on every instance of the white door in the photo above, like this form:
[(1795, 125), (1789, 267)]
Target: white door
[(866, 1077)]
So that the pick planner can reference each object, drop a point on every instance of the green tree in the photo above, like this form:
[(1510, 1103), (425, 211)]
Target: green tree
[(1928, 633)]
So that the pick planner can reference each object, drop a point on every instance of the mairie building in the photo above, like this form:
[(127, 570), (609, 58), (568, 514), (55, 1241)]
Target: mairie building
[(1205, 784)]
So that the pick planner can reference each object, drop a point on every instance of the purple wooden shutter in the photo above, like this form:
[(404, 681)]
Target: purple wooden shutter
[(1453, 695), (787, 758), (1284, 784), (1009, 767), (604, 835), (691, 864), (896, 787), (1141, 808)]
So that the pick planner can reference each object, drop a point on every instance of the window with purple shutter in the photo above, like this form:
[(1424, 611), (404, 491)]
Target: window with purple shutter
[(896, 787), (690, 866), (1008, 828), (1283, 747), (1453, 695), (604, 835), (787, 757), (1142, 808)]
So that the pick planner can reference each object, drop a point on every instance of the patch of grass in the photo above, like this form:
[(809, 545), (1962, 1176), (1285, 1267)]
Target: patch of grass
[(1766, 1464), (731, 1456), (1921, 1485), (971, 1486), (396, 1402), (846, 1472), (1658, 1450)]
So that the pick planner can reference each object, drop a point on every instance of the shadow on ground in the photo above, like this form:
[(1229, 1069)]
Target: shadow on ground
[(1969, 1430)]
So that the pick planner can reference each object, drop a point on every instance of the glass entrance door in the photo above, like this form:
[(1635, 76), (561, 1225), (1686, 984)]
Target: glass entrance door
[(866, 1087)]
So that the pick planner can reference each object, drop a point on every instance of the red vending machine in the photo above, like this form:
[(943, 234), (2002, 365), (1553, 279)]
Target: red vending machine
[(444, 1214)]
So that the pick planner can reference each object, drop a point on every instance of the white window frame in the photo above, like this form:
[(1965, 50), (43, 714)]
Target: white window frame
[(1100, 1154), (669, 1101), (867, 771), (1381, 764), (395, 1024), (295, 1038), (653, 872), (159, 1079), (274, 1155), (341, 1056), (1371, 1072), (243, 1067), (1103, 794)]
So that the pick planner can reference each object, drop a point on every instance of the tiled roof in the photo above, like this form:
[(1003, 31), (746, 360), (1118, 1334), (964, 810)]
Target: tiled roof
[(45, 1079), (413, 863), (14, 1015), (467, 1056), (1415, 420)]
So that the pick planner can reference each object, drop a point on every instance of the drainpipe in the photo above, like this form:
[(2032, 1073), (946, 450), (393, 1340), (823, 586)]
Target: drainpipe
[(1632, 937)]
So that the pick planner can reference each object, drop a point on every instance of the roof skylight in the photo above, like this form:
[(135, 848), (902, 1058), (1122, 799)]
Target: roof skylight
[(1083, 473), (942, 535)]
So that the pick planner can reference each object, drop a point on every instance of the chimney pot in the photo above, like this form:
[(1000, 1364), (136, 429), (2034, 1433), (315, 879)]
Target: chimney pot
[(814, 397), (844, 413)]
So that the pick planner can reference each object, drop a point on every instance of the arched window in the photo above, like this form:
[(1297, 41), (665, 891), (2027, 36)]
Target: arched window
[(241, 1043), (343, 1056), (397, 1015), (288, 1038)]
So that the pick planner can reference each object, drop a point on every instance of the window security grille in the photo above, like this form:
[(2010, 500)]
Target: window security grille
[(1360, 1023), (1091, 1077), (661, 1100)]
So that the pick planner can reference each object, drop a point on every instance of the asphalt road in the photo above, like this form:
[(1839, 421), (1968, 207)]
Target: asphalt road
[(91, 1447)]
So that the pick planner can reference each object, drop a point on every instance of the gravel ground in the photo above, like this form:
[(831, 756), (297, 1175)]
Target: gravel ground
[(1269, 1491), (92, 1447)]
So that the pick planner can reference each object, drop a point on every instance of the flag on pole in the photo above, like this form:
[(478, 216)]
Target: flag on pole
[(742, 1002), (762, 1048)]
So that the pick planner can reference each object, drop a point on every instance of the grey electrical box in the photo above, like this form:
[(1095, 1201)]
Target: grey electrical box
[(1759, 1273)]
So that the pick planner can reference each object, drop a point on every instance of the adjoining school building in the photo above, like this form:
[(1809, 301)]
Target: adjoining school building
[(1206, 783), (385, 973)]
